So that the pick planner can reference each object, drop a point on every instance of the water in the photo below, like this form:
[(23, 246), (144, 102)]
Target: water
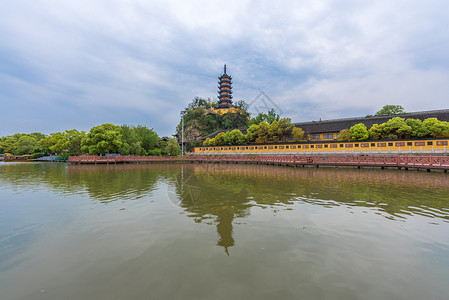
[(212, 231)]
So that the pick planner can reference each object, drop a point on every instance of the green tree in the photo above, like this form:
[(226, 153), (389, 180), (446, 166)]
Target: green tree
[(344, 135), (268, 117), (273, 130), (397, 128), (39, 136), (390, 110), (262, 131), (130, 141), (359, 132), (417, 128), (201, 102), (26, 144), (212, 142), (105, 138), (173, 147), (227, 138), (236, 137), (220, 138), (284, 128), (436, 127), (297, 134), (148, 139), (251, 133), (377, 131), (206, 142), (242, 105), (58, 143), (74, 139), (8, 144)]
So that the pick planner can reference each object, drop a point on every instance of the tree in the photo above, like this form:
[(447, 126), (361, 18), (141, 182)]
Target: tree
[(74, 139), (285, 127), (344, 135), (58, 143), (268, 117), (227, 138), (173, 147), (201, 102), (397, 128), (417, 128), (148, 139), (212, 142), (262, 131), (105, 138), (297, 134), (130, 141), (66, 143), (377, 131), (359, 132), (236, 137), (390, 110), (273, 130), (220, 138), (242, 105), (251, 133), (206, 142), (436, 127), (7, 144), (26, 144)]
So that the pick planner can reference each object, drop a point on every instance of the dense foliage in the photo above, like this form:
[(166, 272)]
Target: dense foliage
[(390, 110), (200, 120), (21, 143), (281, 130), (101, 139), (268, 117), (397, 128)]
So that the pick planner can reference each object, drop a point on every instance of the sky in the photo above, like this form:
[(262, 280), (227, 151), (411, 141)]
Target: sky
[(79, 63)]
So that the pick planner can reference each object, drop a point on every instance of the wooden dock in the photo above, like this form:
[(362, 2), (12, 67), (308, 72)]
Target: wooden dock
[(393, 161)]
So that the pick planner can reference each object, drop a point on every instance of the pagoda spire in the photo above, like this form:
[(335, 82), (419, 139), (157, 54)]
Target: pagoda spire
[(224, 68)]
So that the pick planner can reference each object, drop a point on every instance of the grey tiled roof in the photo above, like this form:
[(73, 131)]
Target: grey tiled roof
[(338, 124)]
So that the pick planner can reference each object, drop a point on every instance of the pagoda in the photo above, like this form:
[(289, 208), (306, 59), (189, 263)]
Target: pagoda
[(224, 94)]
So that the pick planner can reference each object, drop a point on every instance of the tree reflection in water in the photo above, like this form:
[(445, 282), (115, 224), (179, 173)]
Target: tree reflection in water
[(226, 192)]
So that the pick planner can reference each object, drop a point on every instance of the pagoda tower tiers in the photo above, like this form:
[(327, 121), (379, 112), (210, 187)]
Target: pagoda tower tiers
[(225, 90), (224, 94)]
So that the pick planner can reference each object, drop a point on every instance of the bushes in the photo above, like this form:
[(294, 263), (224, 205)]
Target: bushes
[(278, 130), (397, 128)]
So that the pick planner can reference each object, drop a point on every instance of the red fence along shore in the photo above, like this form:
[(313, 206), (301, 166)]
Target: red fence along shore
[(424, 162)]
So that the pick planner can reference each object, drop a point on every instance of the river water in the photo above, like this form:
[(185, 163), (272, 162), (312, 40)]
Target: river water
[(212, 231)]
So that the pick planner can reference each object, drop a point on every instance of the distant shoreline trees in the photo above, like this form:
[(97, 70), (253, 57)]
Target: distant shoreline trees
[(102, 139)]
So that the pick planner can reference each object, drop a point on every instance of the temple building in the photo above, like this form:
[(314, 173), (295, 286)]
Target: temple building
[(224, 95)]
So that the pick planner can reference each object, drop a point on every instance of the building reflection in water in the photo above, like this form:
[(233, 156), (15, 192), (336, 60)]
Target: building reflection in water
[(208, 202)]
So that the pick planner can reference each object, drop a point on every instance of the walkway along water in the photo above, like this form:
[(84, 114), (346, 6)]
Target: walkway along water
[(396, 161)]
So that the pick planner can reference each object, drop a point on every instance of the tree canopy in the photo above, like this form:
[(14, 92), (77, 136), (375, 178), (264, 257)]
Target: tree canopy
[(268, 117), (398, 128), (105, 138), (282, 130), (390, 110)]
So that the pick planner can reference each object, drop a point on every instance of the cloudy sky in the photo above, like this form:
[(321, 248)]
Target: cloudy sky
[(78, 63)]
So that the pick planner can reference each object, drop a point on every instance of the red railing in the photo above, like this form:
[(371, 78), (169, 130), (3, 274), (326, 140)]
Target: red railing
[(431, 162)]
